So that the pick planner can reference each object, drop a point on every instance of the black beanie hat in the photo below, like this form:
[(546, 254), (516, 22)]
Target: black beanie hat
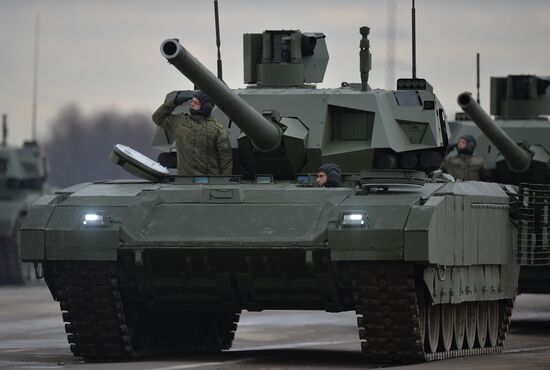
[(471, 147), (206, 104), (334, 174)]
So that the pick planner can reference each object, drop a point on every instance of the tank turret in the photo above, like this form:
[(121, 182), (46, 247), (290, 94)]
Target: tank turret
[(516, 162), (520, 97), (23, 168), (282, 124)]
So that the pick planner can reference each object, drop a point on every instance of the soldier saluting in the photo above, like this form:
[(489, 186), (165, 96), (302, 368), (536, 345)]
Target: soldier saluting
[(465, 165), (202, 143)]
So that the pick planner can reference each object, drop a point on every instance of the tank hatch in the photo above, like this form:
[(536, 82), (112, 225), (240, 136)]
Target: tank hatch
[(138, 164)]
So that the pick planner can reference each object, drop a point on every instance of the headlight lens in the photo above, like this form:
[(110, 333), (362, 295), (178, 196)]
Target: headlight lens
[(91, 219), (353, 219)]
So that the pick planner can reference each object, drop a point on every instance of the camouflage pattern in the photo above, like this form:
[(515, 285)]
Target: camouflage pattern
[(202, 144), (466, 167)]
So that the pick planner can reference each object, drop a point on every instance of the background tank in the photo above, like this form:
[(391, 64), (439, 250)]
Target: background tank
[(167, 265), (520, 104), (520, 139), (22, 175)]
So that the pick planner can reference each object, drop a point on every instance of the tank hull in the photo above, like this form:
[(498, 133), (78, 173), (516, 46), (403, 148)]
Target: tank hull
[(175, 251)]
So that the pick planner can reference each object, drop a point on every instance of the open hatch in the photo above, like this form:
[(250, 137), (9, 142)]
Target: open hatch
[(138, 164)]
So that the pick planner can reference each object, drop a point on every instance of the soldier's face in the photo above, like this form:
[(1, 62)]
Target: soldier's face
[(195, 104), (462, 144), (321, 179)]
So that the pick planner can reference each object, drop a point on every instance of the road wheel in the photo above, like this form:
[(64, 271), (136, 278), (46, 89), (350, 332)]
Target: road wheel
[(470, 324), (481, 326), (493, 318), (446, 339), (459, 325), (433, 321)]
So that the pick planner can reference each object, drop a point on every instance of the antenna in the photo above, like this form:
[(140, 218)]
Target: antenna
[(217, 21), (35, 75), (4, 128), (413, 16), (390, 56), (477, 70)]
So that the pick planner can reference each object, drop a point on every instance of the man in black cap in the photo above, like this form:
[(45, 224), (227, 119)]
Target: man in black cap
[(465, 165), (329, 175), (202, 144)]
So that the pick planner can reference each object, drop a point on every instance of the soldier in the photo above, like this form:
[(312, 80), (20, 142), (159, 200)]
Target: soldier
[(329, 175), (202, 144), (465, 165)]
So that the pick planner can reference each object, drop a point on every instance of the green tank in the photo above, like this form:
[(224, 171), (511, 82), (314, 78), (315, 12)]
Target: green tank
[(516, 146), (166, 263), (23, 172)]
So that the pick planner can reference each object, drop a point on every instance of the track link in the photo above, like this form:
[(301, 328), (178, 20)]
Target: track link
[(101, 325), (91, 306), (388, 315)]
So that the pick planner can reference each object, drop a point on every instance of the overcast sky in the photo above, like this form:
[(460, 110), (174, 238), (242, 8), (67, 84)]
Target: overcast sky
[(105, 54)]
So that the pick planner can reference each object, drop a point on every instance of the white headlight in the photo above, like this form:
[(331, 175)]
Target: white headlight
[(94, 219), (353, 219)]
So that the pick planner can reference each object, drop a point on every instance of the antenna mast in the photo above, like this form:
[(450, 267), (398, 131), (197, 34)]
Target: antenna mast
[(413, 16), (390, 70), (35, 75), (477, 70), (4, 129), (217, 21)]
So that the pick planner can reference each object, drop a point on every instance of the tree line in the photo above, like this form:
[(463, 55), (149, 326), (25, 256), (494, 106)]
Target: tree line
[(79, 145)]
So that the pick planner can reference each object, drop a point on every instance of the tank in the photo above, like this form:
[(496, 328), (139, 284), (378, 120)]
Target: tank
[(167, 263), (521, 156), (22, 176)]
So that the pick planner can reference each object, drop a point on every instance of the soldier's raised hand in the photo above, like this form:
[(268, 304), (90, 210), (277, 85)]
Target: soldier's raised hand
[(183, 96)]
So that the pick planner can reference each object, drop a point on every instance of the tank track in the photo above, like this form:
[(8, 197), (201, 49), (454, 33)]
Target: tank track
[(11, 267), (101, 325), (388, 316)]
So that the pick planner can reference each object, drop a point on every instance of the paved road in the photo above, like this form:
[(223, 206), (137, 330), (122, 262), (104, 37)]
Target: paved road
[(32, 337)]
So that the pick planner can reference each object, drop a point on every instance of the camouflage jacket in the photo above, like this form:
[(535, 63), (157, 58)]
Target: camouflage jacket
[(202, 145), (466, 167)]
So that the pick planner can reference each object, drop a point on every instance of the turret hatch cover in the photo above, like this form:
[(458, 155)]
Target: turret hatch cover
[(138, 164)]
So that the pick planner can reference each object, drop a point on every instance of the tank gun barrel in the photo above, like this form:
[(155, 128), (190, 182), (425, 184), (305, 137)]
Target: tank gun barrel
[(518, 159), (265, 135)]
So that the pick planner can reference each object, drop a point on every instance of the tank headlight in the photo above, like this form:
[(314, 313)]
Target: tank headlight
[(353, 219), (92, 219)]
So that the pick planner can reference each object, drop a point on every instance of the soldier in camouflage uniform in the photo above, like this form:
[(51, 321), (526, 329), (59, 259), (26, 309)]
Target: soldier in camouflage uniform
[(202, 144), (465, 165)]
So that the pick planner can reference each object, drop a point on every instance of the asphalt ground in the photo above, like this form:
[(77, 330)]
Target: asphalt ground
[(32, 337)]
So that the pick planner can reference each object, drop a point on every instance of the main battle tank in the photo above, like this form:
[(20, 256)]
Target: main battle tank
[(521, 156), (22, 176), (167, 263)]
